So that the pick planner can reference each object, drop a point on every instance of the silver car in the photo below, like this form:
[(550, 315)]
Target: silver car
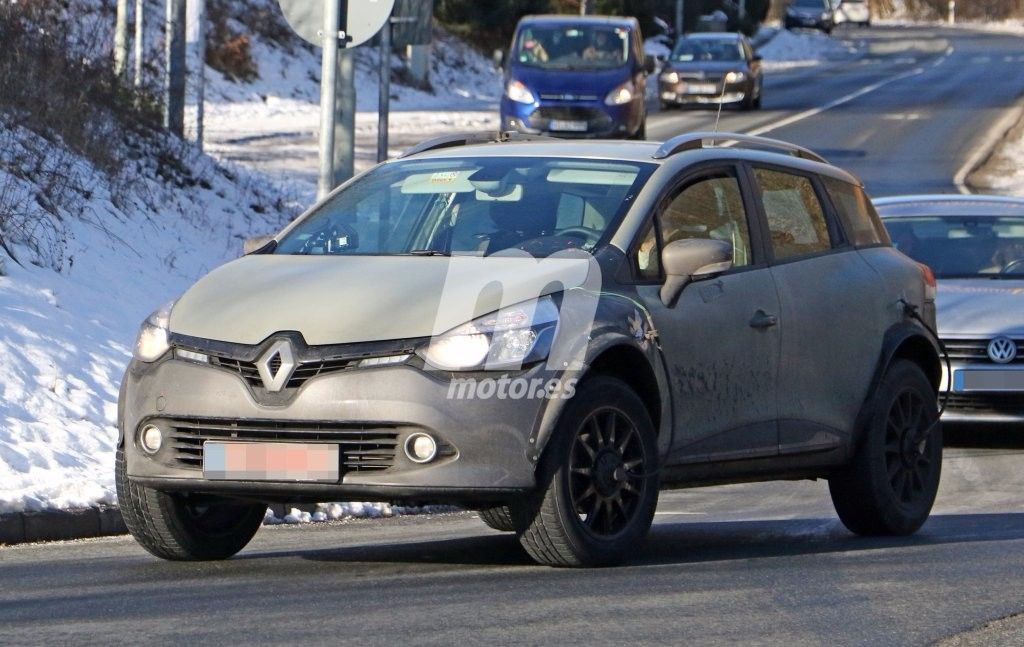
[(549, 332), (975, 246)]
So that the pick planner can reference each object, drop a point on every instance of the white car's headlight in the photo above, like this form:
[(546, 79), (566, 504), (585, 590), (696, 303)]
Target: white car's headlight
[(735, 77), (508, 338), (153, 339), (620, 95), (670, 77), (519, 93)]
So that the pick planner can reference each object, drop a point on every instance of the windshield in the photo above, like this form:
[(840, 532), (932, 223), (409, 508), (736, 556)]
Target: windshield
[(963, 246), (708, 50), (809, 4), (470, 206), (572, 47)]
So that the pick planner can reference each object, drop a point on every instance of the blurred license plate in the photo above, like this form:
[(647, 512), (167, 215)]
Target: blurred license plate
[(271, 462), (994, 380), (574, 126), (700, 88)]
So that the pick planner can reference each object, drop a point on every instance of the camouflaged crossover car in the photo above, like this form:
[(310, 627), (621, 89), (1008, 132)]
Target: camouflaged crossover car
[(548, 332)]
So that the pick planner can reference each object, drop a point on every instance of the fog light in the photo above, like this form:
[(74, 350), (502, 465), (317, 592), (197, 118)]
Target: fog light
[(420, 448), (151, 439)]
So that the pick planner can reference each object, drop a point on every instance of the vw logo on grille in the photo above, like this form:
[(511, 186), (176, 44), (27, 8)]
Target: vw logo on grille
[(276, 365), (1002, 350)]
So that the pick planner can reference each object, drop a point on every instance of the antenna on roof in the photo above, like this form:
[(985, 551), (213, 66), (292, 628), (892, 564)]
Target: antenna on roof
[(721, 101)]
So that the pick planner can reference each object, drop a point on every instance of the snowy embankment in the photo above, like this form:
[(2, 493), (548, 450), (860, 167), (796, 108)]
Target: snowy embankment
[(790, 50)]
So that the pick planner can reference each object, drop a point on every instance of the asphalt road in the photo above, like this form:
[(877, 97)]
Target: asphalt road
[(765, 563)]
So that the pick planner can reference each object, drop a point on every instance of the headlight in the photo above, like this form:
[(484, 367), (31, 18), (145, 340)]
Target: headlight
[(670, 77), (620, 95), (735, 77), (152, 342), (508, 338), (519, 92)]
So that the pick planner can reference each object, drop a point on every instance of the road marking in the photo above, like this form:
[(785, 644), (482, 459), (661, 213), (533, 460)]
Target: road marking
[(981, 152), (806, 114)]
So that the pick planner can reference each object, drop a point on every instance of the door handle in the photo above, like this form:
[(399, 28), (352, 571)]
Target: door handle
[(763, 320)]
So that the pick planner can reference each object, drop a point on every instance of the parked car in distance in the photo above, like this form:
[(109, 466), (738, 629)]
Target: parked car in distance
[(812, 14), (712, 69), (549, 332), (576, 76), (854, 12), (975, 246)]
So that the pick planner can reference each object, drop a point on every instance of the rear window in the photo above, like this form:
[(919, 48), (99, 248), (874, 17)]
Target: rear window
[(860, 220), (796, 220)]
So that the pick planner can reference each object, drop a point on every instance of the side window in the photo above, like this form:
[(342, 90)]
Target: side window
[(711, 207), (863, 227), (796, 219)]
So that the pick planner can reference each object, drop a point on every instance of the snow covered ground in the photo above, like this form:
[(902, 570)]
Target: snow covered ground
[(790, 50)]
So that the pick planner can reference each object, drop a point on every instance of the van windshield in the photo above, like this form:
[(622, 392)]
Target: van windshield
[(471, 206), (572, 47)]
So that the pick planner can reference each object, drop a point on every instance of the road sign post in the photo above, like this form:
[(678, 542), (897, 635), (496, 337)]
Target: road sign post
[(334, 25), (384, 101)]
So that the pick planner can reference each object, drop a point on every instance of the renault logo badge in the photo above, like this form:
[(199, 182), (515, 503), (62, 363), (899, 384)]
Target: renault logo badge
[(1002, 350), (276, 365)]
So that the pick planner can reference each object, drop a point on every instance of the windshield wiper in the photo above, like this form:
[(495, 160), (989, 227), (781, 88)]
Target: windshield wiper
[(428, 252)]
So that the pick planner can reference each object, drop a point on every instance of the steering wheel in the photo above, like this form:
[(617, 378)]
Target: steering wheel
[(588, 234), (1013, 267), (332, 239)]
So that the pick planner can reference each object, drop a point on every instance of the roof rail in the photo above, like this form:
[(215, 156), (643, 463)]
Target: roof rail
[(695, 141), (467, 139)]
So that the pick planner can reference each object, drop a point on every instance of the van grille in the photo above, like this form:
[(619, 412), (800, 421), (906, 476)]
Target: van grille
[(363, 448)]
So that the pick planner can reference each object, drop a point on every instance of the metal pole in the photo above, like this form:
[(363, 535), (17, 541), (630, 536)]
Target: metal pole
[(743, 9), (174, 87), (140, 11), (121, 40), (952, 11), (197, 47), (345, 118), (384, 103), (679, 18), (328, 81)]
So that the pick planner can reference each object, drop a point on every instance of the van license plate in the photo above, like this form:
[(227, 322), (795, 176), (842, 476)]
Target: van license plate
[(572, 126), (240, 461), (991, 380)]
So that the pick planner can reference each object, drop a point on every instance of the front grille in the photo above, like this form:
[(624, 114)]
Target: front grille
[(303, 372), (1000, 403), (363, 448), (976, 350)]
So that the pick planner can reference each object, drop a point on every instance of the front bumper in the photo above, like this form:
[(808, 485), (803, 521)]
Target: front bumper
[(680, 93), (489, 444), (590, 119), (982, 406)]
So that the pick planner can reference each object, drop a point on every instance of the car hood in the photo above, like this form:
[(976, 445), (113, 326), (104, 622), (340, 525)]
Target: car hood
[(806, 11), (980, 307), (339, 300), (571, 82), (715, 68)]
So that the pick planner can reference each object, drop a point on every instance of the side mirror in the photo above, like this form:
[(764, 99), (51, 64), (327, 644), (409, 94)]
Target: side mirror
[(685, 261), (499, 58), (650, 65), (252, 245)]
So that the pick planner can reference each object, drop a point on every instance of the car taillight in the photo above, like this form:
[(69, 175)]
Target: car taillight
[(930, 285)]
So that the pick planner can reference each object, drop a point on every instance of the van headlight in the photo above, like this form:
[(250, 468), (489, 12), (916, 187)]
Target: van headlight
[(505, 339), (519, 93), (154, 336), (620, 95)]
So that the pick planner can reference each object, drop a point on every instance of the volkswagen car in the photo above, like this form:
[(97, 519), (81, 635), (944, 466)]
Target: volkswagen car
[(549, 332), (712, 68), (975, 246)]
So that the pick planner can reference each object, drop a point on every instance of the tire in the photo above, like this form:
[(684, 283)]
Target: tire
[(641, 133), (749, 101), (499, 518), (171, 527), (665, 106), (599, 484), (757, 101), (890, 486)]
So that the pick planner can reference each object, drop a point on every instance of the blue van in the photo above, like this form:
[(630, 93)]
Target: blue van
[(576, 76)]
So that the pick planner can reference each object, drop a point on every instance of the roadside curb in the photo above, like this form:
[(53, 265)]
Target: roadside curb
[(60, 525), (992, 143)]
